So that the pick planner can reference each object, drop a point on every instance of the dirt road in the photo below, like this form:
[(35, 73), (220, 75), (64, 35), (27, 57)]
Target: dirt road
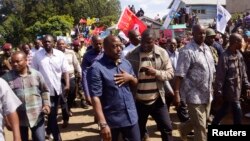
[(82, 127)]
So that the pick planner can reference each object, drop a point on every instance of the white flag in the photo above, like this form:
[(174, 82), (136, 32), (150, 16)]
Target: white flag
[(223, 16)]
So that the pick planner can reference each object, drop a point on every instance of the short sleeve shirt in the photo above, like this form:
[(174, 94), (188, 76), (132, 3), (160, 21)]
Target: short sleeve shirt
[(196, 66), (117, 102), (51, 67)]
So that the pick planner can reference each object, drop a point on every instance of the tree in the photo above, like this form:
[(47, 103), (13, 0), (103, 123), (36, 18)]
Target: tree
[(25, 19), (56, 26)]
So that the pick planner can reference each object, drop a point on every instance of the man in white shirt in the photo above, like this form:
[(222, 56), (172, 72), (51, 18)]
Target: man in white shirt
[(37, 47), (173, 52), (53, 64), (134, 38), (74, 74)]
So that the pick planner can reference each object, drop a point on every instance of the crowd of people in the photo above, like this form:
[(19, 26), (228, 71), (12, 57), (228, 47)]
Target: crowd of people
[(139, 13), (202, 74)]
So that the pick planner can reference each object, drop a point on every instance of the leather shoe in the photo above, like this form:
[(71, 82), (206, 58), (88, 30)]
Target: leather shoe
[(65, 124)]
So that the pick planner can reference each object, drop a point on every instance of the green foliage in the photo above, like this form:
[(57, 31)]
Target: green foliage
[(56, 25), (235, 16), (12, 29), (25, 19), (108, 20)]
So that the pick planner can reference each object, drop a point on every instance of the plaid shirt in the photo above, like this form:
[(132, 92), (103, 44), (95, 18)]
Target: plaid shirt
[(32, 91)]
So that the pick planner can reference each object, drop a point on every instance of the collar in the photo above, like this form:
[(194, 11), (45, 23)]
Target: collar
[(201, 47), (92, 51), (233, 54), (68, 50), (155, 50), (175, 52), (53, 52), (29, 71), (110, 61)]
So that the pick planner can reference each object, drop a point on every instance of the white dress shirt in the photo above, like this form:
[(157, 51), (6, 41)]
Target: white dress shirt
[(51, 67), (127, 49), (34, 50), (173, 57)]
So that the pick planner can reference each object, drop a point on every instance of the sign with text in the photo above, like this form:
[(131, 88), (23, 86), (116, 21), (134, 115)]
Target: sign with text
[(230, 132)]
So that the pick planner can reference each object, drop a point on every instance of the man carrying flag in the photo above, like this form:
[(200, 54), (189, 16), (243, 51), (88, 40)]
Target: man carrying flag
[(223, 16)]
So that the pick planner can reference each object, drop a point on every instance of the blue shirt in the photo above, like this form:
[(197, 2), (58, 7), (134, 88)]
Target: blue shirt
[(174, 58), (89, 57), (218, 47), (117, 102)]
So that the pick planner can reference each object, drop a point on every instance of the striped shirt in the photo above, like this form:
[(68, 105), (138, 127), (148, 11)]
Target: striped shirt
[(147, 91)]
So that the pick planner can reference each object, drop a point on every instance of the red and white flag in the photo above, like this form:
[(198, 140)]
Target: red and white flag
[(129, 21)]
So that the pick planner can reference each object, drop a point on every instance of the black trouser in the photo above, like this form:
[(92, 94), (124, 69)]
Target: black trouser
[(72, 93), (129, 133), (52, 126), (160, 114), (64, 107)]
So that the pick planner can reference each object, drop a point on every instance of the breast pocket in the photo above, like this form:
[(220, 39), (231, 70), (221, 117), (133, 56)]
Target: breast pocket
[(55, 64), (16, 84), (34, 81)]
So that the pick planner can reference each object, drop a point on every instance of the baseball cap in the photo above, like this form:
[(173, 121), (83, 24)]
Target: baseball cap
[(162, 41), (7, 46), (76, 43), (210, 32)]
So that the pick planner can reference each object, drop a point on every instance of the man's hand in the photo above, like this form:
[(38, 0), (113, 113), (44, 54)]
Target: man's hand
[(66, 90), (122, 78), (7, 123), (106, 133), (46, 109), (150, 71), (177, 98)]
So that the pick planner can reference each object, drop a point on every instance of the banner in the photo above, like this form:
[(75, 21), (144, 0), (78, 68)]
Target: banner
[(129, 21), (223, 16), (173, 10)]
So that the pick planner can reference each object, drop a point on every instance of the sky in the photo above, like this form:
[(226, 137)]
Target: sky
[(151, 7)]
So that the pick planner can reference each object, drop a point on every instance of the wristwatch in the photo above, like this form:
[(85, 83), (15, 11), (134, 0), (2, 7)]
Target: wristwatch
[(103, 124)]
